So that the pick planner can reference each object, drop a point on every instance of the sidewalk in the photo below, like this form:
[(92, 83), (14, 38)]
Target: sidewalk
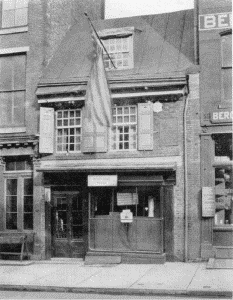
[(172, 278)]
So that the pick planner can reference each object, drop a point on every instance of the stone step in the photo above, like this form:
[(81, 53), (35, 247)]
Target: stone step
[(223, 252)]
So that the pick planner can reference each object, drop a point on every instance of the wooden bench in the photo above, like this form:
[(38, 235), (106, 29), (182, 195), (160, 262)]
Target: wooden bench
[(10, 242)]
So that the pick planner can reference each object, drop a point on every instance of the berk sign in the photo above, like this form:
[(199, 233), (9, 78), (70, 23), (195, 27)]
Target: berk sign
[(221, 116), (215, 21)]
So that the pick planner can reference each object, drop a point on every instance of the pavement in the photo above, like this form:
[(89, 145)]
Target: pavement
[(72, 275)]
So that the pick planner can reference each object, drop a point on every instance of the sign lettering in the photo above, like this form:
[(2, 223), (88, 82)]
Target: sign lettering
[(102, 180), (221, 117), (215, 21)]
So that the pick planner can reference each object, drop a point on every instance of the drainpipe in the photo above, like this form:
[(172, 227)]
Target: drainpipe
[(185, 178)]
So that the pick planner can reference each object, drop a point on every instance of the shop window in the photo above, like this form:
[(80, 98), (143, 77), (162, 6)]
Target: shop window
[(18, 194), (120, 51), (223, 180), (141, 201), (68, 130), (226, 42), (14, 13), (12, 89), (124, 130)]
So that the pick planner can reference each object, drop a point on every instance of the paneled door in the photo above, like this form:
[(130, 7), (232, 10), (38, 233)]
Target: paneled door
[(67, 224)]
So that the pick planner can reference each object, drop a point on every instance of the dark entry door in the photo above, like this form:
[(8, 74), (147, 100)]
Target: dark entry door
[(67, 225)]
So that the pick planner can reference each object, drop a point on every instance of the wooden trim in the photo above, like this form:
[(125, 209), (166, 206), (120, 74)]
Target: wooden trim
[(14, 50)]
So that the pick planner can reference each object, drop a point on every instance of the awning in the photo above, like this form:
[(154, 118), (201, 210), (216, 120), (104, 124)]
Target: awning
[(122, 164)]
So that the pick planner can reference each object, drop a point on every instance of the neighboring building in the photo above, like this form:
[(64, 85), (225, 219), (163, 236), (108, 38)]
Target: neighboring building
[(30, 32), (215, 48), (148, 162)]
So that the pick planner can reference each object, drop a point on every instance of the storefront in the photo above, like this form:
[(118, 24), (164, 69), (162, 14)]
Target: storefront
[(97, 213)]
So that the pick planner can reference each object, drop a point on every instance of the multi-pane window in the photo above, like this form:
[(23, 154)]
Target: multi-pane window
[(14, 13), (227, 66), (18, 193), (12, 89), (68, 130), (223, 179), (120, 51), (28, 203), (11, 203), (124, 129)]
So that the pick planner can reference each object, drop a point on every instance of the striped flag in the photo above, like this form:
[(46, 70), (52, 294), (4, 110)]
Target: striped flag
[(98, 100)]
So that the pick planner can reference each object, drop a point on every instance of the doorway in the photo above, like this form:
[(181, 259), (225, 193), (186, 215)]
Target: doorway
[(67, 224)]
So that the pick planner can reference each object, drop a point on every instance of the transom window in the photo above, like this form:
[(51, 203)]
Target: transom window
[(68, 130), (120, 51), (14, 13), (124, 130), (227, 66), (12, 89)]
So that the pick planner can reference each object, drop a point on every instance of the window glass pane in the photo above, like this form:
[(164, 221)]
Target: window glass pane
[(28, 186), (19, 71), (11, 221), (21, 17), (21, 3), (227, 51), (11, 203), (6, 73), (227, 83), (223, 145), (28, 221), (18, 112), (10, 166), (28, 165), (5, 111), (101, 199), (11, 187), (8, 18), (20, 165)]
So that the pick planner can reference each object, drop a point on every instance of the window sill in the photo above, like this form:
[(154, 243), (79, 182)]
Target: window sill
[(13, 30), (226, 227), (12, 130)]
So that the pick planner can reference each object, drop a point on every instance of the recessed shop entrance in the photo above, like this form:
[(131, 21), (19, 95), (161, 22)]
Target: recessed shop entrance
[(67, 224)]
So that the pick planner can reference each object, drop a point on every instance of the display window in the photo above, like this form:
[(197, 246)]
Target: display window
[(223, 180)]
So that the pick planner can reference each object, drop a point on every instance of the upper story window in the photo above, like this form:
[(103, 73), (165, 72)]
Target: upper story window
[(14, 13), (12, 89), (68, 130), (119, 45), (226, 47), (124, 130)]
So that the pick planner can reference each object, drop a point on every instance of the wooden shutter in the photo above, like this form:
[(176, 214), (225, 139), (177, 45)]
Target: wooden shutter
[(169, 132), (101, 139), (46, 130), (145, 126)]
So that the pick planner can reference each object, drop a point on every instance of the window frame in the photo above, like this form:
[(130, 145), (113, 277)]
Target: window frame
[(13, 91), (20, 175), (129, 124), (68, 127), (15, 10), (225, 67)]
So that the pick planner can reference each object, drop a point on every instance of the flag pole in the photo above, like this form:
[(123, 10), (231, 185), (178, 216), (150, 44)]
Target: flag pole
[(99, 39)]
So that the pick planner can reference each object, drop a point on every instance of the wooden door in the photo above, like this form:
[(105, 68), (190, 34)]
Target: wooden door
[(67, 221)]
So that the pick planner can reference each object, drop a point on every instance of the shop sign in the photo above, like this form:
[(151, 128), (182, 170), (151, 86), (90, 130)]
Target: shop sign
[(102, 180), (221, 116), (208, 201), (127, 199), (215, 21), (126, 216)]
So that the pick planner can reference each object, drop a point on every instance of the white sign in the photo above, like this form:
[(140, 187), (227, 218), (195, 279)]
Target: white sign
[(127, 199), (208, 201), (126, 216), (215, 21), (102, 180), (46, 130)]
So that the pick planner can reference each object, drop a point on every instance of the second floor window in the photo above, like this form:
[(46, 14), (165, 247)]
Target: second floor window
[(68, 130), (227, 66), (121, 52), (124, 130), (12, 89), (14, 13)]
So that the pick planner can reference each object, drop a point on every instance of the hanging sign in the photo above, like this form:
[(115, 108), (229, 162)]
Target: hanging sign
[(126, 216), (102, 180), (208, 201)]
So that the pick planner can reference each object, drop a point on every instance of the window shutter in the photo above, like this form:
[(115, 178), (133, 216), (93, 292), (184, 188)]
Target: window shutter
[(145, 126), (169, 132), (46, 130)]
